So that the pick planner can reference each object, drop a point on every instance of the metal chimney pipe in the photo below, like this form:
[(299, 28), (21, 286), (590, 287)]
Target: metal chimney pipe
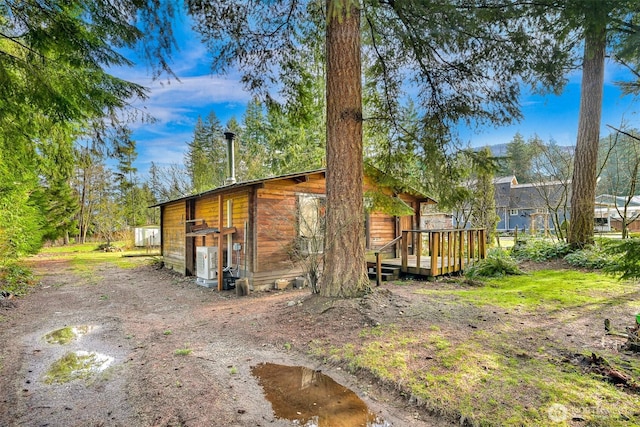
[(231, 164)]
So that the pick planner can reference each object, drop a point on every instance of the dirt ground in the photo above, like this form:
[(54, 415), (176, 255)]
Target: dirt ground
[(140, 317)]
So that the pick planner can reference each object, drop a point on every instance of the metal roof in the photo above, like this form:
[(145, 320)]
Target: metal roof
[(225, 188)]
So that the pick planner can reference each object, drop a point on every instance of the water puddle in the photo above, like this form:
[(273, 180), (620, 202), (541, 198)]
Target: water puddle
[(311, 399), (76, 365), (66, 335)]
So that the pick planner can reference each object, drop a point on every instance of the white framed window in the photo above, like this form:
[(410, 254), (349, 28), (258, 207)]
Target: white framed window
[(513, 212), (311, 221)]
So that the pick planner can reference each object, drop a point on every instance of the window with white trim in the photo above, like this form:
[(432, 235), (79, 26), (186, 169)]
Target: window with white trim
[(311, 222)]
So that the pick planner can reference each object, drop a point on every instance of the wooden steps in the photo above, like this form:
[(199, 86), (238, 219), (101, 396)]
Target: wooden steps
[(387, 274)]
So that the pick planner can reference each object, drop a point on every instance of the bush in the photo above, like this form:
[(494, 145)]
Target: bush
[(497, 263), (537, 249), (15, 280), (593, 257), (627, 253)]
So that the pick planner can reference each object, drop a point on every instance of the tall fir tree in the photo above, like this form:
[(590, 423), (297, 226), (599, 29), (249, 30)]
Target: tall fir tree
[(206, 155), (466, 64), (125, 153)]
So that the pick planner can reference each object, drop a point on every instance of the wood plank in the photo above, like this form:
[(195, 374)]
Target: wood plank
[(434, 252)]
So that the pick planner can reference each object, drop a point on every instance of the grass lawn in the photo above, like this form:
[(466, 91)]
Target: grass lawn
[(86, 259), (502, 353)]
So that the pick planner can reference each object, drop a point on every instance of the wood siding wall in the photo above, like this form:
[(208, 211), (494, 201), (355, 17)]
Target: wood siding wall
[(207, 208), (276, 228), (173, 236), (382, 230), (270, 211)]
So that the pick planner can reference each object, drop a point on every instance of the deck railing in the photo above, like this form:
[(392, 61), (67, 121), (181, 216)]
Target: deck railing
[(444, 251), (379, 258)]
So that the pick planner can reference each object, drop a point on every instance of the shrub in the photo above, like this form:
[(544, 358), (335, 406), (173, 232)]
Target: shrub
[(537, 249), (15, 280), (627, 253), (593, 257), (497, 263)]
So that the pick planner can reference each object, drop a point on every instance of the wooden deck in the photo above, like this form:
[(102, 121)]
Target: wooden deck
[(424, 269), (434, 252)]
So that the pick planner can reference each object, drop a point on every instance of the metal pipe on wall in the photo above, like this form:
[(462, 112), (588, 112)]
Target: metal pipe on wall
[(231, 161), (229, 236)]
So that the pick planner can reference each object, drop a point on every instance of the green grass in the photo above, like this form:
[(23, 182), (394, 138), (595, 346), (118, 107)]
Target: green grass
[(183, 352), (85, 258), (72, 248), (544, 290), (486, 380), (508, 374)]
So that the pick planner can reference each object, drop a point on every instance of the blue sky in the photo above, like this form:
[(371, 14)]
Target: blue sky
[(176, 105)]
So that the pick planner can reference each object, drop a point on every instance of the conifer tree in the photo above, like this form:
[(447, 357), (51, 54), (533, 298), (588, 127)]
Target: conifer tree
[(466, 62)]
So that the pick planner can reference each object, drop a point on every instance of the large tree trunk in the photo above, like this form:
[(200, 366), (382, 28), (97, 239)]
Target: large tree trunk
[(583, 185), (345, 273)]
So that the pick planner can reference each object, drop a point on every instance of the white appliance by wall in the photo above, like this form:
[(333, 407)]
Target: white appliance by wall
[(207, 262)]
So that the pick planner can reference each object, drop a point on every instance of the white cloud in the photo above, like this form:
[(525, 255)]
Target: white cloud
[(197, 91)]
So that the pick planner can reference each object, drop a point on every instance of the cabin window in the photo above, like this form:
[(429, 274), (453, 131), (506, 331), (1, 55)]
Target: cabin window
[(311, 221)]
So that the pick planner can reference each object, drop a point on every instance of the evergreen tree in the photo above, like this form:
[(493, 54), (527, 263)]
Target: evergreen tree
[(295, 144), (125, 176), (603, 28), (22, 220), (54, 62), (252, 162), (206, 155), (466, 63), (520, 158)]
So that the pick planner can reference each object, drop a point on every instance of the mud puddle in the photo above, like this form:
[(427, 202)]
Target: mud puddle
[(74, 365), (311, 399), (77, 365), (67, 334)]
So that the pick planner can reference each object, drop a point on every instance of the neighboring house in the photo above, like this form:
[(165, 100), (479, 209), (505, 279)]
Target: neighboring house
[(502, 195), (533, 206), (609, 209), (259, 225), (530, 206)]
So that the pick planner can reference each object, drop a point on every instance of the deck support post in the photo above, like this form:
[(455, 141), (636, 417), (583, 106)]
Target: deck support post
[(378, 269), (434, 242), (405, 251), (418, 245)]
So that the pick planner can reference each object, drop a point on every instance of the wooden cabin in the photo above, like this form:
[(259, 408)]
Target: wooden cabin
[(255, 225)]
